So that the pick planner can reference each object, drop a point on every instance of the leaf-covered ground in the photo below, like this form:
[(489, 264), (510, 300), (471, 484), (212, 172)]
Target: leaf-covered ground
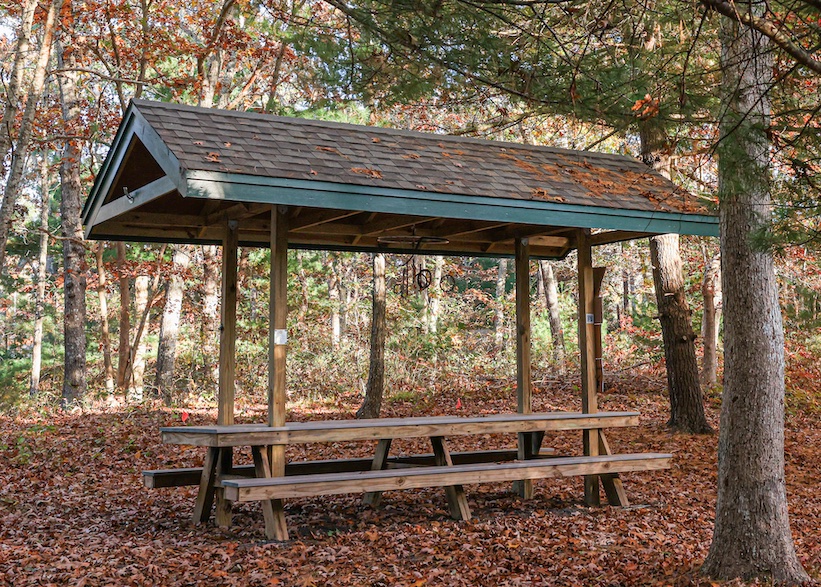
[(74, 511)]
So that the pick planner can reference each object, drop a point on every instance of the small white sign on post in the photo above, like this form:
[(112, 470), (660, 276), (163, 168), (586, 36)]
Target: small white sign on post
[(280, 336), (591, 319)]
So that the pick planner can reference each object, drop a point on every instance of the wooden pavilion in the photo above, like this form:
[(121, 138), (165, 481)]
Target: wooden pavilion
[(194, 175)]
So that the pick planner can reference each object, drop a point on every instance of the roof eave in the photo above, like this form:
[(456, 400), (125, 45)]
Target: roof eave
[(312, 193)]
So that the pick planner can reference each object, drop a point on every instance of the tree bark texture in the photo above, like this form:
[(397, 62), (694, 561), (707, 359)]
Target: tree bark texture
[(124, 352), (210, 311), (686, 401), (105, 335), (334, 278), (12, 106), (499, 318), (372, 404), (40, 285), (74, 265), (711, 318), (435, 294), (170, 325), (751, 536), (551, 294), (138, 346), (14, 182)]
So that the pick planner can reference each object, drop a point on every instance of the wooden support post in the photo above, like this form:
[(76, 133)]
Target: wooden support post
[(225, 466), (588, 355), (457, 500), (227, 359), (524, 379), (277, 345), (228, 326), (272, 511), (380, 461), (613, 487), (278, 318), (205, 495)]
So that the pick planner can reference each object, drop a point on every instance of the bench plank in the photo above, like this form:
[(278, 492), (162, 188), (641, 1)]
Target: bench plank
[(245, 490), (185, 477), (376, 429)]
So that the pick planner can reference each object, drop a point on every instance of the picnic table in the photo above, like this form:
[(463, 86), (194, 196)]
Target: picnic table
[(220, 478)]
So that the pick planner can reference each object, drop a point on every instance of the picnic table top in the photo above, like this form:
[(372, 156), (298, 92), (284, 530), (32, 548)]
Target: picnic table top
[(366, 429)]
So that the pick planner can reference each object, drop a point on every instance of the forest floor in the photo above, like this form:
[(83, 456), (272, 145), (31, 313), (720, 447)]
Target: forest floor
[(73, 510)]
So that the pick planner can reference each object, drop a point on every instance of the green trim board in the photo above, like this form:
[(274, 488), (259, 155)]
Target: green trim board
[(288, 192)]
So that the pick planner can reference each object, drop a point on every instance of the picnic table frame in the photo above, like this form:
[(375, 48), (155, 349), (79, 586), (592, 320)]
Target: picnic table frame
[(219, 480)]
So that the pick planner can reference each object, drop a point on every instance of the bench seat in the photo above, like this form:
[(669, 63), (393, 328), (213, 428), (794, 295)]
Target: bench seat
[(257, 489), (186, 477)]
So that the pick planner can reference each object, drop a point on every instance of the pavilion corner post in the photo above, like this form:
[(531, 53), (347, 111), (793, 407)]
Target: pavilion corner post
[(275, 527), (524, 379), (587, 350), (227, 362), (228, 326)]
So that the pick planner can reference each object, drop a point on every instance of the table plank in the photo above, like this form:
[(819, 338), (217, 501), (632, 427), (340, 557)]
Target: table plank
[(375, 429)]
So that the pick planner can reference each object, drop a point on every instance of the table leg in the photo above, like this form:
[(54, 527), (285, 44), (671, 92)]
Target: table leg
[(205, 495), (225, 466), (524, 487), (613, 487), (380, 461), (457, 500), (272, 509)]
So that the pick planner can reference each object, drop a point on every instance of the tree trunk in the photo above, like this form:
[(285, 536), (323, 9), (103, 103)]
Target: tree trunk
[(302, 276), (551, 295), (138, 350), (435, 294), (210, 311), (170, 326), (124, 352), (333, 297), (751, 536), (40, 286), (102, 294), (686, 402), (499, 318), (74, 317), (711, 293), (372, 403), (18, 68), (20, 154)]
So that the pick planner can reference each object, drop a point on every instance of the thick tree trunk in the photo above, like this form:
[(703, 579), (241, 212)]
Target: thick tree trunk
[(686, 402), (210, 311), (499, 318), (74, 266), (138, 349), (18, 161), (170, 326), (40, 285), (105, 335), (551, 294), (372, 403), (124, 352), (751, 536), (711, 318)]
